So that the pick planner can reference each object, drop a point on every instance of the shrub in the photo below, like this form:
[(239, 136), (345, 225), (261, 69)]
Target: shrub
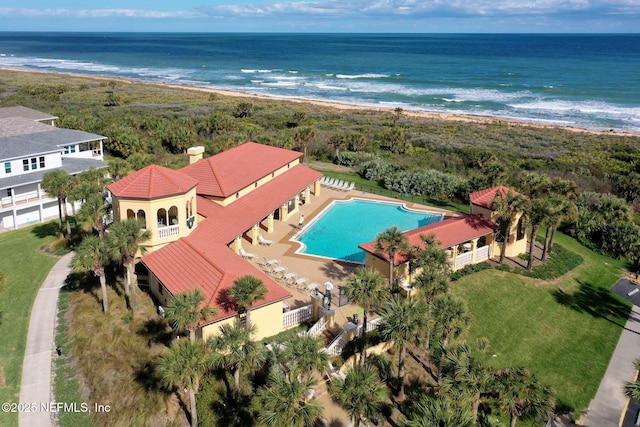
[(469, 269), (560, 262)]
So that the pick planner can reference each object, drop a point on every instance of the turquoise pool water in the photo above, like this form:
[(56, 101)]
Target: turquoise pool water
[(343, 225)]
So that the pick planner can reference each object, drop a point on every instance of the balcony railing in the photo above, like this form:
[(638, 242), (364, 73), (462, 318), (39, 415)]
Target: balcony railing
[(297, 316), (168, 231)]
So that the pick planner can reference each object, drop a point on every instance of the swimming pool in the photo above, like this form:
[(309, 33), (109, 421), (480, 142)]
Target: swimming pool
[(338, 230)]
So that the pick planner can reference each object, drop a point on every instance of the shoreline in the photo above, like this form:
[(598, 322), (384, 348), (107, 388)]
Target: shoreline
[(429, 115)]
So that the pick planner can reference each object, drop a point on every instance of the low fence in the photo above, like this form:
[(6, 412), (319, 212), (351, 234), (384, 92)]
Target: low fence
[(318, 328), (297, 316), (337, 345)]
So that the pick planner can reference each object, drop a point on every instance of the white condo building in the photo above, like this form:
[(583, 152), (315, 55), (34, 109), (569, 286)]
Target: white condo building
[(30, 146)]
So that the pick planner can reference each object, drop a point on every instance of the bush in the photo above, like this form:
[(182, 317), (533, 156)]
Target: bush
[(560, 262), (469, 269), (504, 267)]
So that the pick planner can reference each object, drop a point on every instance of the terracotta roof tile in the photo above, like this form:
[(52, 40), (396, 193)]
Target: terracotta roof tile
[(450, 232), (230, 171), (485, 197), (152, 182)]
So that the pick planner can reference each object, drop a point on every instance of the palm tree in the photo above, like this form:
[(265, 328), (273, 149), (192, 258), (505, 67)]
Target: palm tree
[(563, 194), (361, 394), (119, 168), (450, 317), (285, 401), (438, 411), (539, 210), (127, 238), (246, 290), (237, 349), (632, 388), (93, 211), (461, 371), (506, 207), (522, 394), (55, 183), (303, 354), (93, 254), (390, 242), (185, 310), (366, 287), (183, 366), (404, 323)]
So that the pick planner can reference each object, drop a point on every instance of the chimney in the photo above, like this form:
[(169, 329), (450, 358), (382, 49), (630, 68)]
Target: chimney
[(195, 154)]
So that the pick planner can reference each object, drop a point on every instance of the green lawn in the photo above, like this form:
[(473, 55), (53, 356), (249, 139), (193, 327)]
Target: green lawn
[(26, 269), (563, 330)]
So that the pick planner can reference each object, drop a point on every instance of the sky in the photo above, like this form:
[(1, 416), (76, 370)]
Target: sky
[(358, 16)]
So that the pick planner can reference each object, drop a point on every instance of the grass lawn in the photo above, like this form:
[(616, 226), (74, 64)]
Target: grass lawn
[(26, 269), (564, 330)]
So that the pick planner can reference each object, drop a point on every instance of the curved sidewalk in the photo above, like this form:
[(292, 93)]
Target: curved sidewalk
[(607, 407), (35, 386)]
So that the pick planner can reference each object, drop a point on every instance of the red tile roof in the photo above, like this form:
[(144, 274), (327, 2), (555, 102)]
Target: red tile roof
[(152, 182), (226, 173), (485, 197), (450, 232), (203, 259)]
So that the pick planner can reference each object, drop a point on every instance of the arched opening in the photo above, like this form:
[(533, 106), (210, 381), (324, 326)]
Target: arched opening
[(173, 215), (162, 217), (131, 214), (142, 217)]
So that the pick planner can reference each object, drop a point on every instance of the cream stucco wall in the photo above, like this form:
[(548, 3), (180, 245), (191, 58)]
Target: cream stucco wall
[(267, 321)]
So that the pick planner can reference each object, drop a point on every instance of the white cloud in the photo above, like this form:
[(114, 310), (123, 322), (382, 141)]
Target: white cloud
[(355, 9)]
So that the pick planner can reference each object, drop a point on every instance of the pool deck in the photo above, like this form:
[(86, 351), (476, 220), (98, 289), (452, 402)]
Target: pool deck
[(319, 270)]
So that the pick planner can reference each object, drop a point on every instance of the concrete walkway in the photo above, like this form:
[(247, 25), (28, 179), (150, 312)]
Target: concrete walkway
[(35, 387), (606, 409)]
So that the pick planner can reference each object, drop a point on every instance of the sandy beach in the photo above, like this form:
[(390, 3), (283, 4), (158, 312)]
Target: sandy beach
[(427, 115)]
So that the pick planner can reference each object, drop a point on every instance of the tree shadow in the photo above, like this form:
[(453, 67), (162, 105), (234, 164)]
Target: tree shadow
[(231, 411), (596, 302), (337, 270), (47, 229), (156, 331), (224, 301)]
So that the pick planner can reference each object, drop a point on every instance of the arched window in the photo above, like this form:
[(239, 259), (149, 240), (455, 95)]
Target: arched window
[(131, 214), (187, 211), (191, 207), (162, 217), (142, 217), (173, 215)]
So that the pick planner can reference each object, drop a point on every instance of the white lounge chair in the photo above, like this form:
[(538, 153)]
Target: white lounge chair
[(301, 283), (247, 255), (336, 185), (278, 272), (289, 278), (312, 286), (269, 263), (264, 241), (330, 182), (351, 186)]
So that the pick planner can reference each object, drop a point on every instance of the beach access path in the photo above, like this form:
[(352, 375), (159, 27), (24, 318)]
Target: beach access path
[(35, 386), (608, 406)]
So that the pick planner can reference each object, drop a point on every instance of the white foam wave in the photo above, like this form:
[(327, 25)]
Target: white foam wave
[(361, 76), (245, 70), (585, 107)]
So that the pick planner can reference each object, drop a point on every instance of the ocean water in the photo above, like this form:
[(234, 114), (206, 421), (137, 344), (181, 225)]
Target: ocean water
[(587, 81)]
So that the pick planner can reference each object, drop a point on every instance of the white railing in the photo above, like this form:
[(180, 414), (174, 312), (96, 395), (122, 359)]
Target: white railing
[(318, 328), (335, 347), (297, 316), (463, 259), (170, 231), (371, 325), (483, 252)]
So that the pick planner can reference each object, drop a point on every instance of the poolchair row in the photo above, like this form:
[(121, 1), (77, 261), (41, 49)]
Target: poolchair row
[(337, 184)]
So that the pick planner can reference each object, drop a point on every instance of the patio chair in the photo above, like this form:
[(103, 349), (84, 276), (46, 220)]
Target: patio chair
[(269, 263), (289, 278), (351, 186), (278, 271), (264, 241), (337, 184), (301, 283), (312, 286), (247, 255)]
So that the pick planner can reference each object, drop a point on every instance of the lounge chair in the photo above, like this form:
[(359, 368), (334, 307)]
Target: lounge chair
[(278, 272), (301, 283), (289, 278), (312, 286), (264, 241), (269, 263), (330, 182), (247, 255)]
